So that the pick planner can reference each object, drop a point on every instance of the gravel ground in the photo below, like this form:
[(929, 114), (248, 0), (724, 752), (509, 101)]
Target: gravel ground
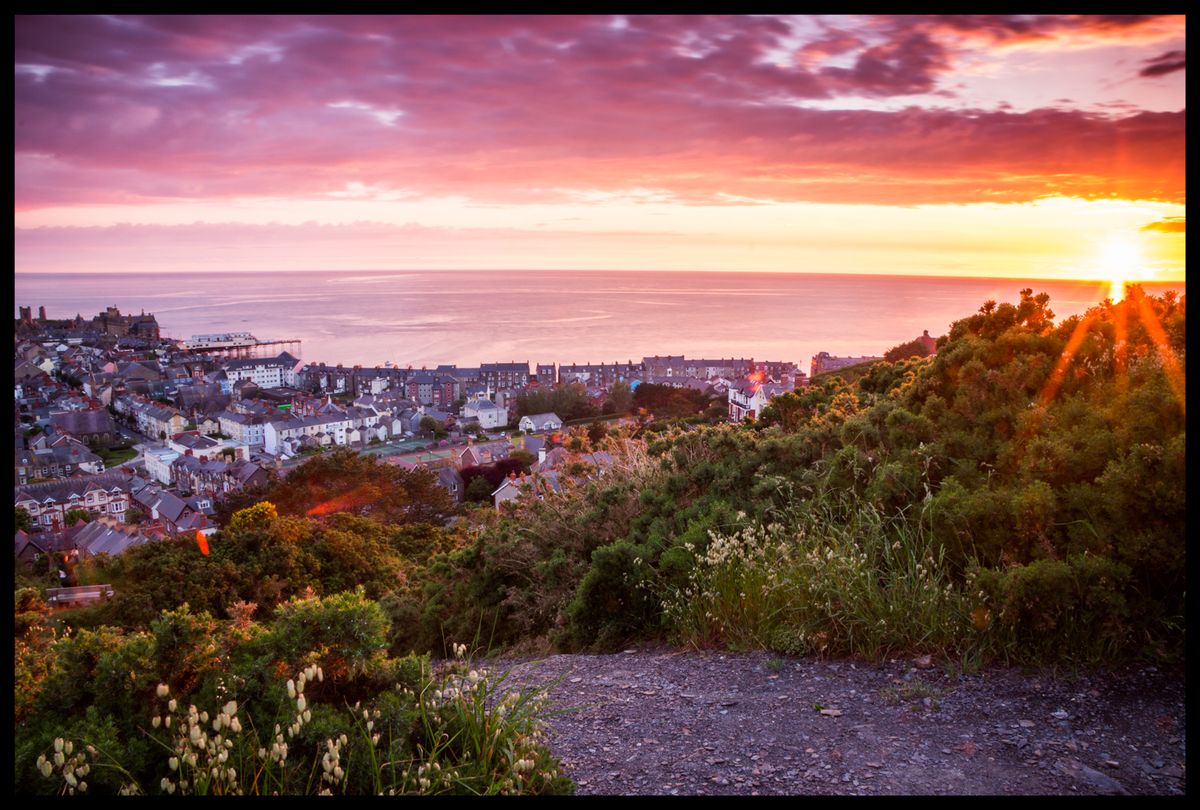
[(668, 722)]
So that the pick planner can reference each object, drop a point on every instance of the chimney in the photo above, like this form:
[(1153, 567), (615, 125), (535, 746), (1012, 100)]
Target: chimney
[(541, 454)]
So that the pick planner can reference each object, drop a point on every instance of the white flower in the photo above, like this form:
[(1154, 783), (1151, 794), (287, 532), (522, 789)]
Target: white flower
[(163, 690)]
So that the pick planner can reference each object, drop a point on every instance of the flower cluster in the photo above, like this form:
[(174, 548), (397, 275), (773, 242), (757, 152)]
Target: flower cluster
[(70, 763), (201, 755)]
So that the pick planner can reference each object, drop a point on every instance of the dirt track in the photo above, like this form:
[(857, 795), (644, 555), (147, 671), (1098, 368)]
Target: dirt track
[(653, 722)]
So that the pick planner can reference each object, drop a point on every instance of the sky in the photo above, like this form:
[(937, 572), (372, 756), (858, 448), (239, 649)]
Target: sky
[(966, 145)]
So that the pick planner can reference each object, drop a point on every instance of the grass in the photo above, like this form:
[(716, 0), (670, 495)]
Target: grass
[(113, 456), (823, 582)]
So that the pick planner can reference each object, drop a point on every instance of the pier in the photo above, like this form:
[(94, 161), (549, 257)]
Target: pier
[(259, 348)]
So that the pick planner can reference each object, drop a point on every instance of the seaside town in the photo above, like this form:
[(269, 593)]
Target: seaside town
[(123, 436)]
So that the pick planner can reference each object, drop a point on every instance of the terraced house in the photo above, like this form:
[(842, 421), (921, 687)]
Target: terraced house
[(286, 436), (57, 461), (104, 494)]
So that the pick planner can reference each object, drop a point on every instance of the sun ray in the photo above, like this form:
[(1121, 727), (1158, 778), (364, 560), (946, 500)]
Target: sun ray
[(1050, 389), (1171, 366), (1121, 347)]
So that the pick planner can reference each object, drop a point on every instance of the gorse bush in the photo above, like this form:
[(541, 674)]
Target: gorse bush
[(249, 709)]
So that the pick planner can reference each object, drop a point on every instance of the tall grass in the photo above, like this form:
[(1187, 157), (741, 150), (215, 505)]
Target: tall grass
[(824, 579)]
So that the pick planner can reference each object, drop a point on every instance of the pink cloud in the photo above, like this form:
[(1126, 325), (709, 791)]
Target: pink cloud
[(510, 108), (1168, 62)]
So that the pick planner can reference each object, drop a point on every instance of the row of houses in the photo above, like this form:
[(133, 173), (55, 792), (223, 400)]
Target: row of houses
[(358, 380), (111, 495), (107, 494), (55, 456)]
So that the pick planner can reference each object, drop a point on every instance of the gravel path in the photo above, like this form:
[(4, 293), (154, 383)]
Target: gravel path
[(655, 722)]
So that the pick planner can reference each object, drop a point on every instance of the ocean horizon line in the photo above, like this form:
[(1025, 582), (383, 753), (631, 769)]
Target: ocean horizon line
[(622, 271)]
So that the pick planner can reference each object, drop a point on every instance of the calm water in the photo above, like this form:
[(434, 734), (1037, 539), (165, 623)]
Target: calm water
[(469, 317)]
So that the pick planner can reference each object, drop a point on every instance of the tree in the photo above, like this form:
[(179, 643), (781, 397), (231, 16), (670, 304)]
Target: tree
[(569, 401), (343, 481), (914, 348), (480, 489), (24, 520), (73, 516), (620, 397), (429, 425)]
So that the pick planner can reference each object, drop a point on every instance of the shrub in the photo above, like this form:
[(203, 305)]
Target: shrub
[(1055, 610)]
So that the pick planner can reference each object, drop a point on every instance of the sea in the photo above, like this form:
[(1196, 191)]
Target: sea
[(426, 318)]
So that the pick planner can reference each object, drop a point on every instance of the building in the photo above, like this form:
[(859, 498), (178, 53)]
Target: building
[(538, 484), (265, 372), (157, 420), (600, 375), (101, 537), (747, 399), (173, 513), (93, 427), (157, 460), (449, 478), (504, 375), (670, 365), (489, 414), (928, 342), (106, 494), (730, 368), (286, 436), (477, 454), (540, 422), (61, 460), (439, 390)]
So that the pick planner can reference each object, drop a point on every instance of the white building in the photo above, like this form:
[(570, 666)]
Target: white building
[(158, 462), (242, 427), (540, 422), (265, 372), (747, 399), (333, 427), (489, 414)]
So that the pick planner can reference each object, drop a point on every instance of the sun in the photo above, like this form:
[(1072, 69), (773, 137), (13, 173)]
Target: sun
[(1119, 260)]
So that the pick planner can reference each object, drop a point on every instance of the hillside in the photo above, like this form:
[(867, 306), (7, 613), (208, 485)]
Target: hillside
[(1017, 499)]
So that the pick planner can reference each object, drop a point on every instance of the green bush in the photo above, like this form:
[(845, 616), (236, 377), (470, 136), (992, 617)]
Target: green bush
[(1056, 610)]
